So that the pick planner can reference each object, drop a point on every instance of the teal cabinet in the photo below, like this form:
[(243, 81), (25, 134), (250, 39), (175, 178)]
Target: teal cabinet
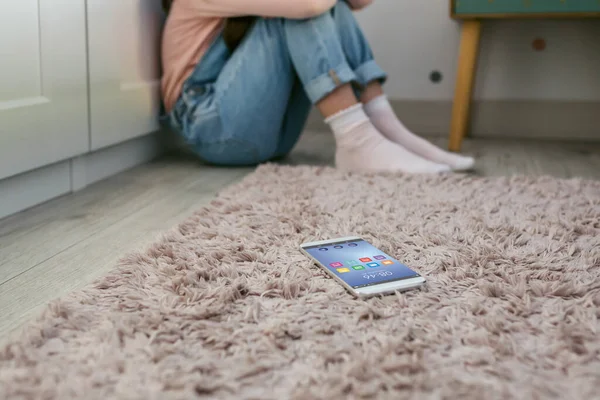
[(472, 13), (525, 6)]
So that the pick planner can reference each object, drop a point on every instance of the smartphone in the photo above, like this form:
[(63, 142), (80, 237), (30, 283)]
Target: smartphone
[(362, 268)]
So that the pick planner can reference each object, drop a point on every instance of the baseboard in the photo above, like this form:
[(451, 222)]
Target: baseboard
[(576, 120), (38, 186), (93, 167), (34, 187)]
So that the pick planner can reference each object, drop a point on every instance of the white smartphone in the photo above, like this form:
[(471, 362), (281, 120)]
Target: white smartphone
[(362, 268)]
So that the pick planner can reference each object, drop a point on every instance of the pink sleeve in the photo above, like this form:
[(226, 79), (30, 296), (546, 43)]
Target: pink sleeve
[(297, 9)]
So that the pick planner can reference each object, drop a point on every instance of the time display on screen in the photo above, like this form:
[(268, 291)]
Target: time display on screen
[(381, 274)]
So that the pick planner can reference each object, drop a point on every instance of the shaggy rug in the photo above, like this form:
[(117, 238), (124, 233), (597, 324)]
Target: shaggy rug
[(225, 306)]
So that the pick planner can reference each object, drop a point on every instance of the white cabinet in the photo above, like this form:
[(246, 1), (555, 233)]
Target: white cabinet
[(79, 94), (124, 67), (43, 83)]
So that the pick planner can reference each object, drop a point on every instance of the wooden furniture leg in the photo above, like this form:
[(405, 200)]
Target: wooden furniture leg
[(467, 68)]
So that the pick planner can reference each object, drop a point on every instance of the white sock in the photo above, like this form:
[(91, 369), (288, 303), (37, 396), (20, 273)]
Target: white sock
[(385, 120), (361, 147)]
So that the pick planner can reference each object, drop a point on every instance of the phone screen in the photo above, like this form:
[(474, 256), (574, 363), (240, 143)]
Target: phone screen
[(359, 263)]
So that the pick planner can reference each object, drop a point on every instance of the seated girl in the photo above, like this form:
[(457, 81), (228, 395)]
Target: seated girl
[(240, 77)]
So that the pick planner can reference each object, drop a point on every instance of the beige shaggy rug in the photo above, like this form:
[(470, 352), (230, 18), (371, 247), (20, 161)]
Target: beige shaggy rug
[(225, 306)]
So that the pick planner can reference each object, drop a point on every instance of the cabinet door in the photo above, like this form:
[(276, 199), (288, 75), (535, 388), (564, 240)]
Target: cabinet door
[(124, 63), (43, 83)]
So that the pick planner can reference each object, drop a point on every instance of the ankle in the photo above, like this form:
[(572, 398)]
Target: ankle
[(337, 101), (371, 92)]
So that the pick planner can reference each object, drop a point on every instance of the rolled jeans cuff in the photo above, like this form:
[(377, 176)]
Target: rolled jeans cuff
[(323, 85), (370, 72)]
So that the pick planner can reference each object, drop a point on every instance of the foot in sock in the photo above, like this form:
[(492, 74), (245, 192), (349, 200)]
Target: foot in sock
[(361, 147), (384, 119)]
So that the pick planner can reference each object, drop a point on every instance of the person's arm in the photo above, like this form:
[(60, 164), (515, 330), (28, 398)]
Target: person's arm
[(359, 4), (293, 9)]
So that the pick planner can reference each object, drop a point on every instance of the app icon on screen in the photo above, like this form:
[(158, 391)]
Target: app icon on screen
[(336, 265), (366, 259), (358, 267), (387, 262), (351, 263), (343, 270), (379, 257), (372, 265), (352, 245)]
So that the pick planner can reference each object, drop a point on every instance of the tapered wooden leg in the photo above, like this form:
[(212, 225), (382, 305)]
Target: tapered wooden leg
[(467, 68)]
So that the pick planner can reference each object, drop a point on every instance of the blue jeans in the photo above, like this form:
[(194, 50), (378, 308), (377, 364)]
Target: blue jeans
[(251, 106)]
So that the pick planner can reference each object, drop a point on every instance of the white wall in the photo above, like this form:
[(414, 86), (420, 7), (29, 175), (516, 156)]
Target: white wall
[(411, 38)]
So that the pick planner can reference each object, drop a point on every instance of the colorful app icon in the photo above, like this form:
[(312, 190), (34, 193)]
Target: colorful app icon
[(372, 265), (338, 247), (387, 262), (343, 270), (365, 260), (358, 267), (336, 265), (379, 257), (352, 245), (351, 263)]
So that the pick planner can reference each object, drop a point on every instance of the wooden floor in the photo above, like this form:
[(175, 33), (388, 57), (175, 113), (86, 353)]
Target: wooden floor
[(61, 246)]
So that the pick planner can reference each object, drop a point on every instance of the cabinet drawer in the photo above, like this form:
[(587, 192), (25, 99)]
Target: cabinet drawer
[(525, 6)]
